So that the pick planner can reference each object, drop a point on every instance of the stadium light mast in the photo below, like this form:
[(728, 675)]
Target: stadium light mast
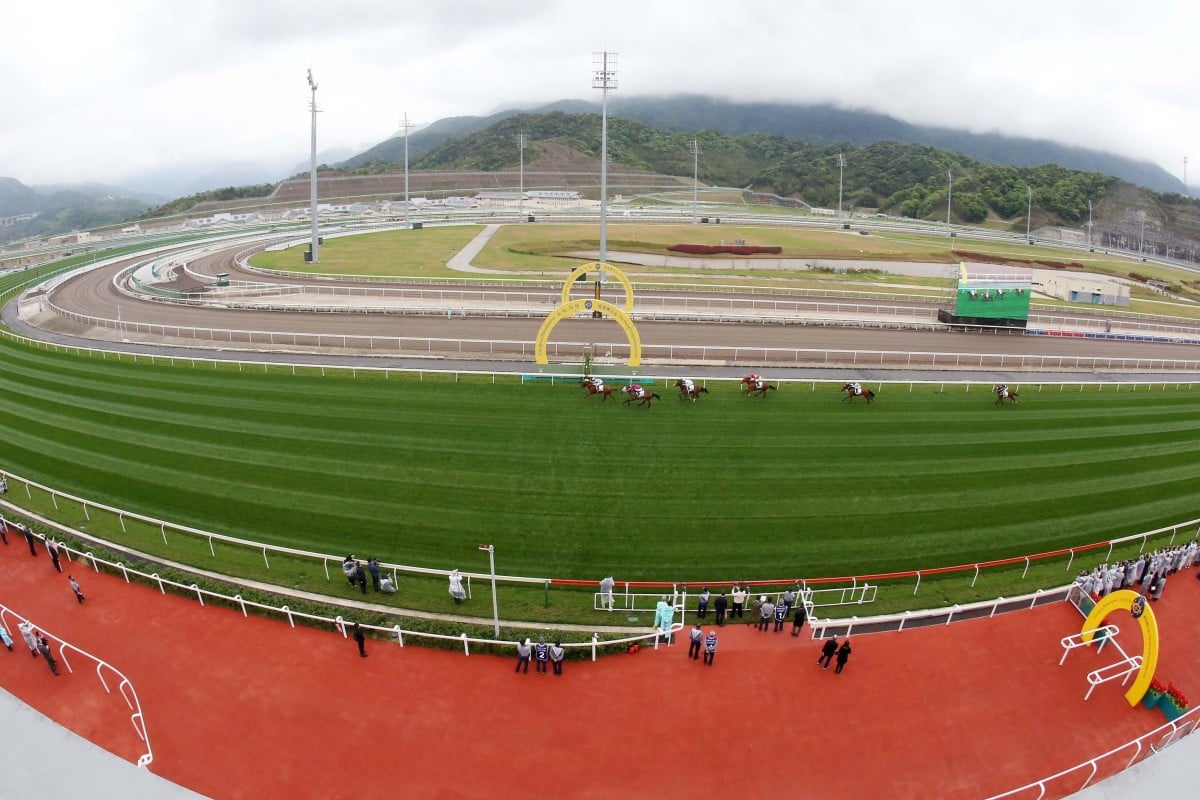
[(406, 123), (695, 176), (312, 170), (1089, 238), (604, 78), (841, 169), (521, 187)]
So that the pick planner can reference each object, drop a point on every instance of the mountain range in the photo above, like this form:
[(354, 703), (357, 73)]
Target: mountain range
[(814, 124)]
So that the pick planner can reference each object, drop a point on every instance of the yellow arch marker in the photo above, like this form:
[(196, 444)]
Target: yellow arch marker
[(1136, 605), (600, 266), (572, 308)]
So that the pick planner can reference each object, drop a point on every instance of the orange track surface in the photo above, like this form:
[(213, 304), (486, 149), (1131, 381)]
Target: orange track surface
[(250, 708)]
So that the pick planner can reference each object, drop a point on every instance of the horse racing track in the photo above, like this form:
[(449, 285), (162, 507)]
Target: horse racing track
[(420, 470)]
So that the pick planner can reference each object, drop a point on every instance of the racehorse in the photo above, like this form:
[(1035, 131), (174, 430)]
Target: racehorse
[(853, 391), (751, 382), (689, 393), (602, 389), (639, 393), (758, 387), (1004, 393)]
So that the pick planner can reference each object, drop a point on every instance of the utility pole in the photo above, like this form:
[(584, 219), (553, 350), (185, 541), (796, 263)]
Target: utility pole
[(604, 78), (405, 124), (841, 162), (521, 187), (949, 194), (312, 170), (695, 176), (1028, 212), (1089, 241)]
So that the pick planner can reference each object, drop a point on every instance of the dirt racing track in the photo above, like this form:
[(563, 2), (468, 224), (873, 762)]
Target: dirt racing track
[(182, 306)]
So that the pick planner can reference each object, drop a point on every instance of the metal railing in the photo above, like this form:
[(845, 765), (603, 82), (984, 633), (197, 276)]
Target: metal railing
[(1079, 777), (125, 686)]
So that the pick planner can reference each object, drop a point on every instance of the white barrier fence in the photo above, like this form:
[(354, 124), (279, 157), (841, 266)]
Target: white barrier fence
[(1079, 777), (126, 688), (698, 353), (337, 623)]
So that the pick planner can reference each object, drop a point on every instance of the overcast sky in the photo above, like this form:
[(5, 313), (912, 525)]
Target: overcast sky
[(111, 89)]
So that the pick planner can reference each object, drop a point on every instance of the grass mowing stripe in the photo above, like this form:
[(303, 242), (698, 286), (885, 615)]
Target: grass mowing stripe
[(417, 470)]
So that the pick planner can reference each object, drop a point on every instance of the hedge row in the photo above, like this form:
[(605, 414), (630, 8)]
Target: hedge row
[(737, 250)]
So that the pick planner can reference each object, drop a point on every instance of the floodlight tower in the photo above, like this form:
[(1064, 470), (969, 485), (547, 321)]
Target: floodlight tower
[(604, 78), (312, 170), (405, 124), (521, 187), (841, 169), (695, 175)]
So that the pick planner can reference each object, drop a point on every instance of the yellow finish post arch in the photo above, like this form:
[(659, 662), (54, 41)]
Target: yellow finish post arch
[(1136, 605), (573, 307), (599, 266)]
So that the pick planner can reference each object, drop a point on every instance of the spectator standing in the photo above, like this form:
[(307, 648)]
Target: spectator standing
[(1156, 589), (827, 652), (606, 592), (720, 604), (789, 600), (710, 648), (360, 640), (766, 612), (739, 601), (4, 533), (456, 588), (702, 603), (373, 568), (523, 651), (30, 538), (44, 648), (696, 638), (798, 619), (360, 577), (781, 611), (30, 636), (843, 655), (557, 653), (386, 585), (348, 568), (664, 614), (541, 654), (3, 485), (6, 637), (75, 588), (52, 549)]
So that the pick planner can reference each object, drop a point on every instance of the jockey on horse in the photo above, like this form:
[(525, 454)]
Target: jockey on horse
[(855, 389), (688, 390), (1004, 393), (753, 382), (638, 392)]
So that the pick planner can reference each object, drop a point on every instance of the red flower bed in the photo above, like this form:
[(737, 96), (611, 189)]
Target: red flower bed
[(733, 249)]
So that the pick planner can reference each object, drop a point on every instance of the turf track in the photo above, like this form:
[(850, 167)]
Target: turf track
[(420, 472)]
